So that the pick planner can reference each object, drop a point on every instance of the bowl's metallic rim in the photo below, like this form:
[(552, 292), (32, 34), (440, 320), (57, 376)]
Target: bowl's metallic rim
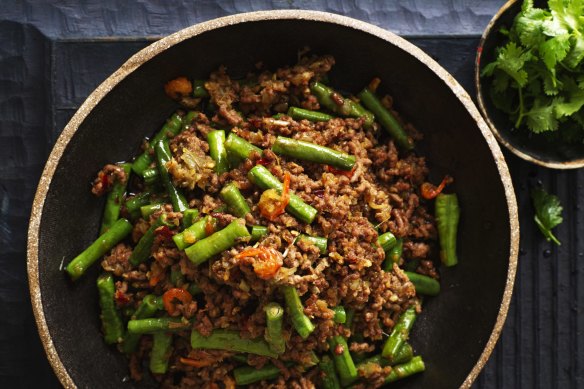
[(157, 47), (574, 164)]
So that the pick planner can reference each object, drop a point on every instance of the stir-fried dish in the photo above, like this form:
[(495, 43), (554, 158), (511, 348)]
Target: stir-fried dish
[(274, 233)]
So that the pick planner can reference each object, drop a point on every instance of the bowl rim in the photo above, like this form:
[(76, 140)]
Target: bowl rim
[(161, 45), (573, 164)]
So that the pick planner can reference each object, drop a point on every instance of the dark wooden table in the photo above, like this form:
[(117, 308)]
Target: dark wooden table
[(54, 53)]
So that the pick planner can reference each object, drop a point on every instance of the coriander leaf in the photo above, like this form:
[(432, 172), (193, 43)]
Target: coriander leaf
[(541, 117), (567, 108), (576, 54), (567, 13), (501, 81), (548, 213), (529, 25), (511, 60), (554, 50)]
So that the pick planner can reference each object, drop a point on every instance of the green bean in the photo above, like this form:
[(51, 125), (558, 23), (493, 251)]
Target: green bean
[(234, 200), (134, 203), (161, 350), (148, 307), (189, 217), (176, 277), (274, 319), (314, 116), (143, 249), (172, 127), (151, 176), (197, 231), (188, 119), (118, 231), (350, 313), (216, 140), (113, 203), (387, 241), (416, 365), (386, 119), (218, 242), (147, 210), (424, 285), (163, 156), (262, 177), (230, 340), (340, 314), (318, 241), (258, 232), (447, 216), (399, 335), (111, 320), (199, 89), (393, 255), (240, 358), (239, 147), (404, 354), (329, 378), (312, 152), (246, 375), (348, 107), (300, 321), (343, 360), (160, 324)]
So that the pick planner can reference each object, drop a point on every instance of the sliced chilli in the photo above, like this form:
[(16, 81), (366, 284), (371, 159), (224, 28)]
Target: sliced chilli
[(171, 296), (430, 191), (271, 205), (266, 261)]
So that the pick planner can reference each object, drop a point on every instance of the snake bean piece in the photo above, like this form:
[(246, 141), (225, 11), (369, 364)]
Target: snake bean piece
[(447, 216), (111, 320), (218, 242), (117, 232), (399, 335), (312, 152), (230, 340), (113, 202), (163, 156)]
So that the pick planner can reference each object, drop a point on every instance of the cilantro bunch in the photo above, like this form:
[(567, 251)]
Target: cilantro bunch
[(538, 75)]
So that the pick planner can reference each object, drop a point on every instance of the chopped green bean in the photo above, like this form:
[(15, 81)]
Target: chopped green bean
[(246, 375), (151, 176), (161, 324), (216, 140), (111, 320), (239, 147), (163, 156), (386, 118), (424, 285), (312, 152), (416, 365), (318, 241), (218, 242), (258, 232), (118, 231), (262, 177), (234, 200), (230, 340), (343, 360), (447, 216), (147, 210), (113, 203), (340, 314), (329, 378), (189, 217), (300, 321), (161, 350), (305, 114), (199, 89), (387, 241), (399, 335), (148, 307), (197, 231), (142, 250), (339, 104), (274, 319)]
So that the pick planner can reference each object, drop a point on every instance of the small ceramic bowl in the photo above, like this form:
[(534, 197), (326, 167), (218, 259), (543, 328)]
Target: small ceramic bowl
[(538, 149)]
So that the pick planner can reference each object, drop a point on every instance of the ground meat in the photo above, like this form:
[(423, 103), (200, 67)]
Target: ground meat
[(106, 178), (231, 290)]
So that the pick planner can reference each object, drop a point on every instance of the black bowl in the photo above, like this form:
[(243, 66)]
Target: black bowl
[(540, 149), (457, 330)]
